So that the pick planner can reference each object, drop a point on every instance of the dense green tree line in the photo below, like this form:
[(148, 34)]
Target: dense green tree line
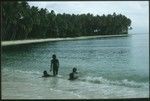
[(20, 21)]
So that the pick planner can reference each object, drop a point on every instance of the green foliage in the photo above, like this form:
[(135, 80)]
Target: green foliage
[(20, 21)]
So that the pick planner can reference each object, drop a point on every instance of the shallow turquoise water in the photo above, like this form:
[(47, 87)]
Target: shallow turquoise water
[(111, 67)]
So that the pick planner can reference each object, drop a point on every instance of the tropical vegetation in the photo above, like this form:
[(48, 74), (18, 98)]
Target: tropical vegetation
[(21, 21)]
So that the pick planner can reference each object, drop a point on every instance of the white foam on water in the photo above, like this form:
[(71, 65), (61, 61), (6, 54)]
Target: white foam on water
[(97, 91), (124, 82), (26, 85)]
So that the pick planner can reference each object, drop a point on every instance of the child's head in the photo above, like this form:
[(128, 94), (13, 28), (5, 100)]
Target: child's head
[(74, 69), (54, 56), (45, 72)]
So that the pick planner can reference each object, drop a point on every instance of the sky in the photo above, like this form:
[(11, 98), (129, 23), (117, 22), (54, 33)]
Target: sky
[(137, 11)]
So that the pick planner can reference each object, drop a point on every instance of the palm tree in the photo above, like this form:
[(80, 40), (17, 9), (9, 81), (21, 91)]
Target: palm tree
[(20, 21)]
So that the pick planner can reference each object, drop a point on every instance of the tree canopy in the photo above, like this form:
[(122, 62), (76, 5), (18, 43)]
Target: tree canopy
[(20, 21)]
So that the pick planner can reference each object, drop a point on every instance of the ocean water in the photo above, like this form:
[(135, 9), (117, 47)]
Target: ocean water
[(116, 67)]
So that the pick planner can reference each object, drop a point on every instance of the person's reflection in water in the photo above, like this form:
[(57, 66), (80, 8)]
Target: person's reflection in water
[(54, 82)]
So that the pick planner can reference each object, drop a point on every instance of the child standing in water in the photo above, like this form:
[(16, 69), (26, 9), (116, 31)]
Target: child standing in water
[(54, 65)]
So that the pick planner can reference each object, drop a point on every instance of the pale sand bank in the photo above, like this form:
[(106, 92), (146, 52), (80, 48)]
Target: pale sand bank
[(16, 42)]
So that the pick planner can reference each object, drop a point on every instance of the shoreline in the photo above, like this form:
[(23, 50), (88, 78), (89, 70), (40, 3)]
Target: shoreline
[(17, 42)]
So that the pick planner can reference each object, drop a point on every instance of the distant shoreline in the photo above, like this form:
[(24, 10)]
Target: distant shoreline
[(17, 42)]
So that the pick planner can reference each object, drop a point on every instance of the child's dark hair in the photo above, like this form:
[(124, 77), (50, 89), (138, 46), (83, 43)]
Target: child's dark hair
[(74, 69), (54, 56), (45, 72)]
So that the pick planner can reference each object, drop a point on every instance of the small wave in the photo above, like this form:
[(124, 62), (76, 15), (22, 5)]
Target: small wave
[(20, 71), (29, 72), (124, 82), (98, 80)]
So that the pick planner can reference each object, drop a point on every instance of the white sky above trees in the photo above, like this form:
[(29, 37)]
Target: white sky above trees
[(137, 11)]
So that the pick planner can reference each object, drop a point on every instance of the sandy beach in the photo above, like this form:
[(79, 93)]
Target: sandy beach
[(16, 42)]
